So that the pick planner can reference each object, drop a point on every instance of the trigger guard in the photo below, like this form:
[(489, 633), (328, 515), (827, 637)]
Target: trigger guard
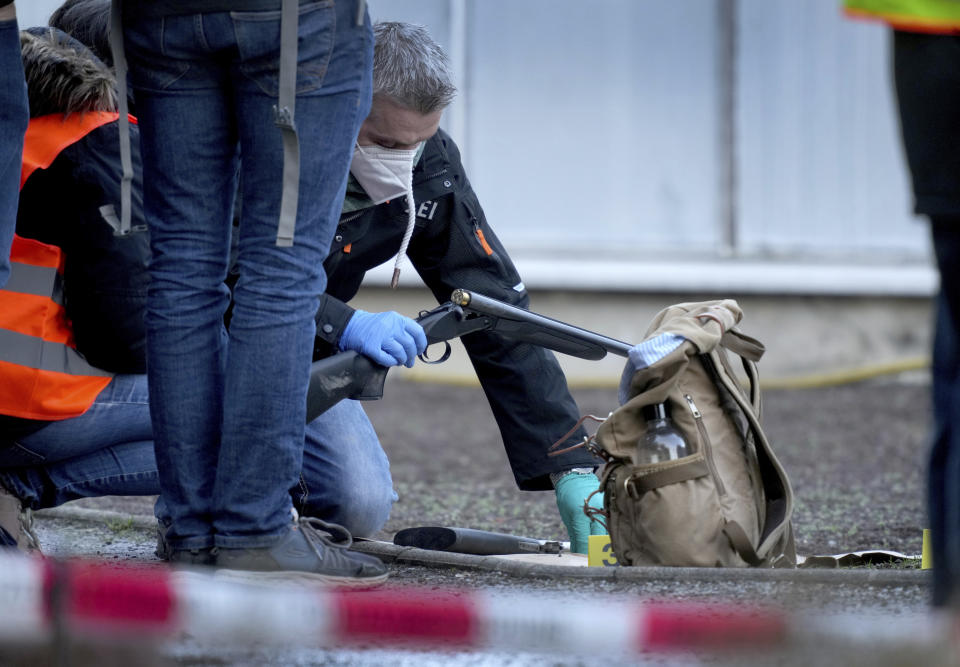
[(446, 355)]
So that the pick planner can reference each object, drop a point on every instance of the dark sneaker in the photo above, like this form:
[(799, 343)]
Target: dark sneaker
[(190, 557), (163, 549), (207, 556), (306, 552), (17, 522)]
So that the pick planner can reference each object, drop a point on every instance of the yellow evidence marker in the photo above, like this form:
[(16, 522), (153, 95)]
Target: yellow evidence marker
[(600, 553)]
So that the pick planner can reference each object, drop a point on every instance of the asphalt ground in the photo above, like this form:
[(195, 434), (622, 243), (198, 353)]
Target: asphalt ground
[(855, 454)]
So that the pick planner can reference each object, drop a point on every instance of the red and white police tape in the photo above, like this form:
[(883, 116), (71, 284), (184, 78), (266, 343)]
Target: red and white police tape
[(90, 598), (42, 598)]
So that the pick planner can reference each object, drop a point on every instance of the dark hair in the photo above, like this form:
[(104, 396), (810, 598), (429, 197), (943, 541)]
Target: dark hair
[(63, 76), (88, 22)]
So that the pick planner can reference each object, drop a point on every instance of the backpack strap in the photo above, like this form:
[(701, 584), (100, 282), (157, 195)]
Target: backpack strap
[(691, 467), (283, 113), (789, 556), (738, 539), (743, 345), (126, 165), (778, 495), (753, 377), (750, 350), (741, 543)]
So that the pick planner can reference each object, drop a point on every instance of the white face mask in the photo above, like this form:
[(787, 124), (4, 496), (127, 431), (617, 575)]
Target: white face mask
[(384, 173)]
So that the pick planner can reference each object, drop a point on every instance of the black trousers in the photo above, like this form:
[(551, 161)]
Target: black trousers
[(927, 75)]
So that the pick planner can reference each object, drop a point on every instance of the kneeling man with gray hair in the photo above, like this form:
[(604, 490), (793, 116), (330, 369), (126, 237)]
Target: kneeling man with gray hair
[(408, 195)]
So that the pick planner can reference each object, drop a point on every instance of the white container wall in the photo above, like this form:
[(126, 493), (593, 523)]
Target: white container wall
[(821, 167), (746, 145), (694, 145), (583, 135), (34, 12)]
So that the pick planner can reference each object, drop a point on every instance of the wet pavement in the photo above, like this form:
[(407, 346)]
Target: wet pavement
[(857, 481)]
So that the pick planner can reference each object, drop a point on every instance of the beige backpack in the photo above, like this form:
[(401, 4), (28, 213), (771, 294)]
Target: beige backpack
[(728, 502)]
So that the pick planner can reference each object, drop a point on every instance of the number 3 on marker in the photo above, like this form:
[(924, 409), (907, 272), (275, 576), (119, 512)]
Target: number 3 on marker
[(600, 552)]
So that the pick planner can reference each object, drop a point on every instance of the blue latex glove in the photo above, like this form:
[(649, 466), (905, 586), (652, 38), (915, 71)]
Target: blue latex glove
[(572, 490), (388, 338)]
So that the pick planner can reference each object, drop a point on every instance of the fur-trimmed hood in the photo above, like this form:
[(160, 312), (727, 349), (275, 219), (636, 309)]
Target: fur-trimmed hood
[(63, 76)]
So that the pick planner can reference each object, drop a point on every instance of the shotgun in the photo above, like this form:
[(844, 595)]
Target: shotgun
[(352, 375)]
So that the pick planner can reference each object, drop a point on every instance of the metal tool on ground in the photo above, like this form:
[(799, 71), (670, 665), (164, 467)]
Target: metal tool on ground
[(352, 375), (471, 541)]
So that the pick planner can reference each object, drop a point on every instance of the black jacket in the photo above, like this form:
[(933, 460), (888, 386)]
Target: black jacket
[(523, 383), (74, 204), (105, 276)]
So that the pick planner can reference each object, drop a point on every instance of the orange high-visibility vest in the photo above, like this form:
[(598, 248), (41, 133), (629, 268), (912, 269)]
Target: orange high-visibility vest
[(42, 376)]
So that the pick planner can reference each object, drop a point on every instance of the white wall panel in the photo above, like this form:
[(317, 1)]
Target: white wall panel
[(35, 12), (591, 125), (821, 170)]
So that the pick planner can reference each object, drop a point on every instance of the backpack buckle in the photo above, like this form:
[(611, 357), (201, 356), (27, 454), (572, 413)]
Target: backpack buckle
[(598, 451), (283, 118), (630, 488)]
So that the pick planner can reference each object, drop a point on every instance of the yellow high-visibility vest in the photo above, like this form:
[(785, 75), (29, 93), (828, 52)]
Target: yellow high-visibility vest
[(931, 16)]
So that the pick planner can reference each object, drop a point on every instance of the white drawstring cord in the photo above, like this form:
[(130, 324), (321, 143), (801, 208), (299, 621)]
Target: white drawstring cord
[(411, 222)]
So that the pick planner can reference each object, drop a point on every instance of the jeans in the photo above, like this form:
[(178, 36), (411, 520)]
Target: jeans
[(14, 115), (228, 409), (943, 495), (346, 474), (108, 451)]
